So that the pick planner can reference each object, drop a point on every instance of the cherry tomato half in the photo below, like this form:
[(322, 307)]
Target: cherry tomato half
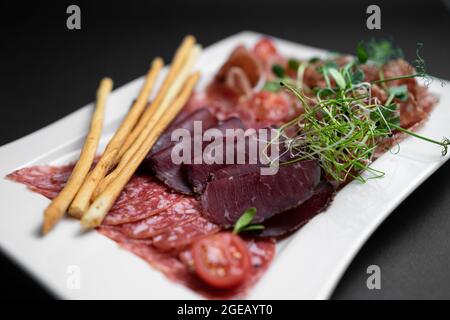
[(221, 260)]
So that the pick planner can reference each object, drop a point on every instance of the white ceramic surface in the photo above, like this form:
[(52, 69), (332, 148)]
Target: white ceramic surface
[(308, 264)]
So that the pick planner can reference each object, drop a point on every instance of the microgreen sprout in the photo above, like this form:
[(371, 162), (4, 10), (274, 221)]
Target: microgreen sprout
[(343, 125), (244, 222)]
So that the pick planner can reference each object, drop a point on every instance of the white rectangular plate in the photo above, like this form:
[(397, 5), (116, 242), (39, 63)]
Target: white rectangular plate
[(308, 264)]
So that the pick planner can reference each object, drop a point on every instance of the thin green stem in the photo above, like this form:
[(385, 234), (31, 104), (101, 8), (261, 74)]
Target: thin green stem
[(444, 144), (414, 75)]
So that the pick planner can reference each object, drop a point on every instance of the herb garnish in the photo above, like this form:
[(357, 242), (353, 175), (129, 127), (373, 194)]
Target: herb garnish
[(243, 223), (343, 125), (278, 70), (379, 52)]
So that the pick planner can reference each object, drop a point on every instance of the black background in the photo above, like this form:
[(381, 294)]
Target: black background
[(47, 71)]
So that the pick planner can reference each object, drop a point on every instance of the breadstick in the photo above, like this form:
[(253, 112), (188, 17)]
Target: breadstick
[(82, 199), (100, 207), (59, 205), (166, 101), (179, 58)]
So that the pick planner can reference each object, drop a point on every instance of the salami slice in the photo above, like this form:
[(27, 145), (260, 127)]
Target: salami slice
[(142, 197), (179, 213), (179, 237)]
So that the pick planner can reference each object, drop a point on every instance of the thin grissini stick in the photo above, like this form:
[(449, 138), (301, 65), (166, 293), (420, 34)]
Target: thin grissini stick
[(100, 207), (180, 57), (82, 199), (152, 122), (59, 205), (178, 60)]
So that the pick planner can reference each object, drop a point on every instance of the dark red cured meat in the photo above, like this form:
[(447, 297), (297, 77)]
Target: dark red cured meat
[(173, 174), (225, 200), (198, 174), (168, 172), (160, 161), (184, 121), (289, 221), (232, 171), (183, 211)]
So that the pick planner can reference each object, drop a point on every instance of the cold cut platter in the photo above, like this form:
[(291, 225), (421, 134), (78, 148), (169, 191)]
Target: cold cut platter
[(254, 168)]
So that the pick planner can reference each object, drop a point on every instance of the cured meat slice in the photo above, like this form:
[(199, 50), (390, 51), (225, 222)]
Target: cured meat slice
[(289, 221), (179, 237), (239, 74), (48, 181), (178, 268), (181, 212), (225, 200), (198, 174), (246, 61), (232, 171), (184, 120), (45, 180), (173, 174), (160, 158), (142, 197), (168, 172)]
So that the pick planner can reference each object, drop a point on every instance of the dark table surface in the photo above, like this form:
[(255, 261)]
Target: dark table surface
[(48, 72)]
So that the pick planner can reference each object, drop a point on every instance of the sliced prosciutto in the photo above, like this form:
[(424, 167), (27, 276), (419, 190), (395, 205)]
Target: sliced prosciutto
[(241, 72), (225, 200)]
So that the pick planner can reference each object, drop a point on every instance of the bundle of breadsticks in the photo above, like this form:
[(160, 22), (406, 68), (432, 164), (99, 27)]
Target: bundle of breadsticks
[(89, 194)]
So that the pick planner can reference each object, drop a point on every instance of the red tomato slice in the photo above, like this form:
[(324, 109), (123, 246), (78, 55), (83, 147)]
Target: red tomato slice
[(221, 260)]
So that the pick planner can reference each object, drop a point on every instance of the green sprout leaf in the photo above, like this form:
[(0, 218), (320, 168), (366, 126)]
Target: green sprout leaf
[(377, 51), (357, 76), (272, 86), (278, 70), (399, 92), (293, 64), (243, 223), (361, 52), (386, 117), (340, 81)]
